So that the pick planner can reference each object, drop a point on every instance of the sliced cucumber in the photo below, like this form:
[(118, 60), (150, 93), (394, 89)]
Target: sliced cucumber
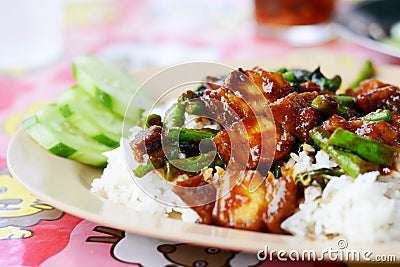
[(108, 84), (90, 117), (54, 133)]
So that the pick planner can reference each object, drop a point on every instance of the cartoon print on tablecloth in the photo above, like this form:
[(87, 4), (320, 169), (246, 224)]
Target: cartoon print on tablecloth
[(148, 252), (17, 214), (113, 236), (86, 248), (100, 246)]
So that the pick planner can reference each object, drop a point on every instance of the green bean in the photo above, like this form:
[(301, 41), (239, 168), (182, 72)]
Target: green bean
[(171, 172), (218, 162), (351, 163), (329, 105), (191, 147), (276, 169), (280, 70), (196, 107), (367, 148), (346, 100), (321, 176), (144, 169), (290, 77), (383, 115), (192, 135), (153, 119), (367, 71), (175, 116), (194, 164)]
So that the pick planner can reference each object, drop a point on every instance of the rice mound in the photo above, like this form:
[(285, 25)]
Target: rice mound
[(365, 208)]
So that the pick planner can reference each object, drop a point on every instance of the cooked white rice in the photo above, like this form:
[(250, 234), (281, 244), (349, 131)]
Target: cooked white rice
[(366, 208)]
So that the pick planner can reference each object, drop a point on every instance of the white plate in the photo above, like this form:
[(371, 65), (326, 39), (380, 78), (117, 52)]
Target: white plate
[(65, 185)]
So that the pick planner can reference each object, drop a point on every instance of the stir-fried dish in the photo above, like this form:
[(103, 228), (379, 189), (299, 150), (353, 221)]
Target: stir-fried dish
[(247, 125)]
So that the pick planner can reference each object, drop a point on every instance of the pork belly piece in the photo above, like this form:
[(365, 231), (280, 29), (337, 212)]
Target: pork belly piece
[(309, 86), (224, 106), (200, 192), (247, 135), (237, 206), (373, 94), (243, 94), (337, 121), (295, 114), (243, 200), (272, 84), (282, 198), (367, 86), (396, 120), (255, 202), (147, 144)]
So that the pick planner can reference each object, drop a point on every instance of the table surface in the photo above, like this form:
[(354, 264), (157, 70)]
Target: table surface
[(134, 34)]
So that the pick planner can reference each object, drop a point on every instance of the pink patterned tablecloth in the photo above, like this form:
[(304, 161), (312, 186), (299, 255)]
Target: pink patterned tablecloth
[(134, 34)]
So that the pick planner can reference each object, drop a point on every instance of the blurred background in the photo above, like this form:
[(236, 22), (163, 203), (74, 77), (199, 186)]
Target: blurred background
[(146, 33)]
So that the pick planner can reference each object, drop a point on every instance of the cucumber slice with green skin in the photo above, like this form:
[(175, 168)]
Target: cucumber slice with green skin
[(54, 133), (90, 117), (109, 85)]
